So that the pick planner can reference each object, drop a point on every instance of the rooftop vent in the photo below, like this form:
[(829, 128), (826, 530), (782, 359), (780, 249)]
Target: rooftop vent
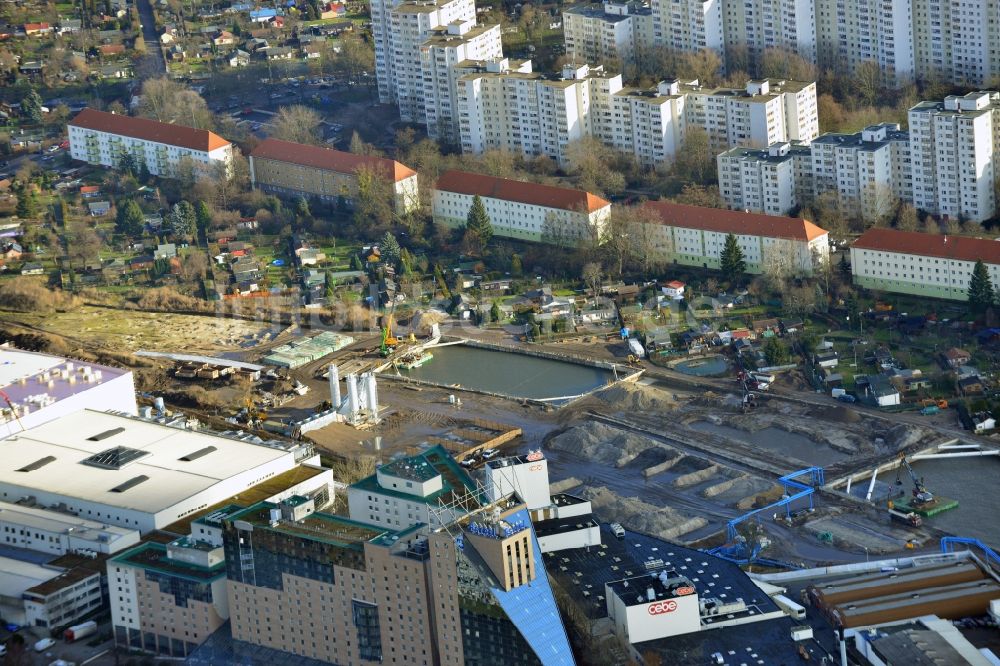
[(200, 453), (38, 464), (104, 435), (131, 483)]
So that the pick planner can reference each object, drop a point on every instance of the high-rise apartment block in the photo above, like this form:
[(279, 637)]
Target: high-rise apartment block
[(689, 25), (764, 180), (446, 53), (527, 112), (958, 41), (945, 165), (954, 147), (612, 32)]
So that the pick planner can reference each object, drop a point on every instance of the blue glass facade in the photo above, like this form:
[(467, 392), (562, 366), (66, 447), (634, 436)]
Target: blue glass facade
[(532, 608)]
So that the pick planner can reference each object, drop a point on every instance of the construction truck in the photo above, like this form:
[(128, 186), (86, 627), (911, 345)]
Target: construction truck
[(389, 340), (910, 518)]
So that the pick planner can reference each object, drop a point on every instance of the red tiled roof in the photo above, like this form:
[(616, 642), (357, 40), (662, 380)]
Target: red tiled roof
[(328, 159), (675, 284), (149, 130), (108, 49), (734, 222), (464, 182), (930, 245), (88, 189)]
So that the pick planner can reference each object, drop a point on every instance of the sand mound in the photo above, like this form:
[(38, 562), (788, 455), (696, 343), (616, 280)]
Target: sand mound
[(838, 414), (628, 397), (600, 443), (640, 516)]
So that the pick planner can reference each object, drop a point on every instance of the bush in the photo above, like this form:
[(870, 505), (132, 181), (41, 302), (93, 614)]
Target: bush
[(28, 295)]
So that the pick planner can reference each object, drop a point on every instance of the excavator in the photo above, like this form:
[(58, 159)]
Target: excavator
[(920, 493)]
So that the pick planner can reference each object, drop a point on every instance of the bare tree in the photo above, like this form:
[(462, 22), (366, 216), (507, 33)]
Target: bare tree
[(878, 203), (592, 273), (906, 218), (298, 124), (868, 81)]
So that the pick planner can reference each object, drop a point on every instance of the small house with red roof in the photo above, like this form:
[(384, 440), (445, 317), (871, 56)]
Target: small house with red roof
[(520, 210), (333, 10), (674, 290)]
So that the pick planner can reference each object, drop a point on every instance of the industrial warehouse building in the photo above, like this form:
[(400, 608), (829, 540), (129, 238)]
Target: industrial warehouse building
[(282, 167), (132, 473), (42, 388)]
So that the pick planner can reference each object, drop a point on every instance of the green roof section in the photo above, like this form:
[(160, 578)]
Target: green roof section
[(455, 480), (153, 557), (322, 527)]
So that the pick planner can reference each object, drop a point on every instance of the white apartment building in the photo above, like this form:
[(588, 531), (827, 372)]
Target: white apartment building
[(695, 236), (408, 25), (851, 32), (648, 124), (758, 25), (525, 211), (613, 32), (525, 112), (957, 39), (441, 56), (930, 265), (98, 137), (45, 595), (870, 170), (689, 25), (59, 533), (954, 147), (764, 181)]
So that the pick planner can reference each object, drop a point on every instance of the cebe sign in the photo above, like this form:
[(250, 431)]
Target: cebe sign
[(661, 607)]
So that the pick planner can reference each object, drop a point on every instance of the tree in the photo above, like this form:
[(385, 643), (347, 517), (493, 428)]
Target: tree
[(203, 219), (128, 163), (27, 203), (31, 106), (129, 219), (373, 211), (298, 124), (867, 81), (981, 294), (844, 267), (391, 251), (592, 277), (775, 351), (183, 219), (906, 218), (496, 314), (516, 267), (167, 100), (477, 222), (731, 261)]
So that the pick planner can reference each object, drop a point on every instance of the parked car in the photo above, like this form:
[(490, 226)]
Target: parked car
[(44, 644), (847, 398)]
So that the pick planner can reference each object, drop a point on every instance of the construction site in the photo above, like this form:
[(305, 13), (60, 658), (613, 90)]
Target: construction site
[(781, 477)]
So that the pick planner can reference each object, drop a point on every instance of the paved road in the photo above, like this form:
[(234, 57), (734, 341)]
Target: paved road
[(152, 64)]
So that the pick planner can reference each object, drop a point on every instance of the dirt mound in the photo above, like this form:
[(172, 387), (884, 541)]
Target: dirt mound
[(628, 397), (634, 514), (600, 443), (838, 414)]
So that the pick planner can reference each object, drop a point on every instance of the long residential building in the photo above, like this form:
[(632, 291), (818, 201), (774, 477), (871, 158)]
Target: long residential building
[(295, 169), (610, 33), (524, 211), (772, 181), (695, 236), (98, 137), (909, 262), (689, 25)]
